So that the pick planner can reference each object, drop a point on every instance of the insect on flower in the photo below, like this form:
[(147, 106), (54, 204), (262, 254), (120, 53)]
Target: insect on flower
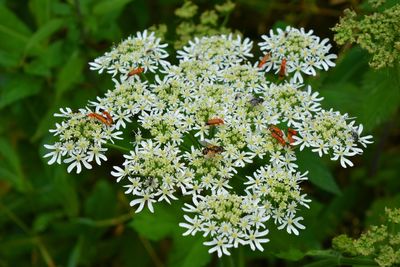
[(264, 60), (136, 71), (277, 134), (256, 101), (355, 136), (290, 134), (106, 119), (211, 150), (215, 122), (282, 70)]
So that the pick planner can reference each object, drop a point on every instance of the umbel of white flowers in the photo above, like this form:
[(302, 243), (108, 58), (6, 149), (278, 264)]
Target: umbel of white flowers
[(203, 120)]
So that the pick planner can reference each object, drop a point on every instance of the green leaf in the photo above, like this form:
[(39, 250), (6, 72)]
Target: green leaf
[(376, 213), (319, 174), (155, 226), (105, 7), (41, 10), (292, 254), (336, 96), (70, 74), (14, 34), (189, 251), (43, 34), (43, 220), (10, 167), (76, 253), (101, 202), (349, 68), (65, 187), (9, 59), (17, 87), (381, 96)]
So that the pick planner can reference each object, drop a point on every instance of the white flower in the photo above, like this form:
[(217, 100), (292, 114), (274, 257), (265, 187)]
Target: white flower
[(255, 239), (292, 224), (220, 245), (302, 51), (146, 198), (141, 51), (77, 160)]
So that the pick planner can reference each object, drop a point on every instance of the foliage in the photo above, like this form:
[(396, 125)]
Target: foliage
[(382, 243), (377, 33), (51, 218)]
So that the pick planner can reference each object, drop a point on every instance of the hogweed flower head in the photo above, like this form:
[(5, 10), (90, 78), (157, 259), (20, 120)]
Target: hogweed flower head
[(302, 52), (82, 136), (204, 122)]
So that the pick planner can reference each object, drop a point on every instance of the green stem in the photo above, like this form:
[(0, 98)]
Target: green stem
[(144, 76), (226, 19), (241, 259), (106, 222), (117, 147), (153, 255), (35, 239), (356, 261)]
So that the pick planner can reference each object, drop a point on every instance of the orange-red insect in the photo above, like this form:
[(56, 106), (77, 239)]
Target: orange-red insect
[(135, 71), (264, 60), (106, 119), (215, 122), (282, 70), (277, 134), (290, 134)]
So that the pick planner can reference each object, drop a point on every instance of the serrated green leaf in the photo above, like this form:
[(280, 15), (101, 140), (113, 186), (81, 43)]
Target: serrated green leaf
[(43, 34), (70, 74), (40, 10), (105, 7), (319, 174), (17, 87), (189, 251), (155, 226)]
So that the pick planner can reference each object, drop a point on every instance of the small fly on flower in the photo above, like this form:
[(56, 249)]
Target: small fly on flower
[(354, 135), (282, 70), (136, 71), (215, 122), (211, 150), (256, 101), (264, 60), (106, 119)]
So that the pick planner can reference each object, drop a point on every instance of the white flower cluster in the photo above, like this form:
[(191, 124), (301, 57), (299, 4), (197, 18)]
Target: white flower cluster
[(141, 51), (81, 139), (205, 122), (301, 52)]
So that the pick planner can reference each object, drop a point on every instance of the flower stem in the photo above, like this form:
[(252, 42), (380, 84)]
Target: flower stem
[(356, 261), (117, 147)]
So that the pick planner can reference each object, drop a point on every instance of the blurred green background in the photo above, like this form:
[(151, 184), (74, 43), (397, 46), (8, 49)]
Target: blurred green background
[(51, 218)]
